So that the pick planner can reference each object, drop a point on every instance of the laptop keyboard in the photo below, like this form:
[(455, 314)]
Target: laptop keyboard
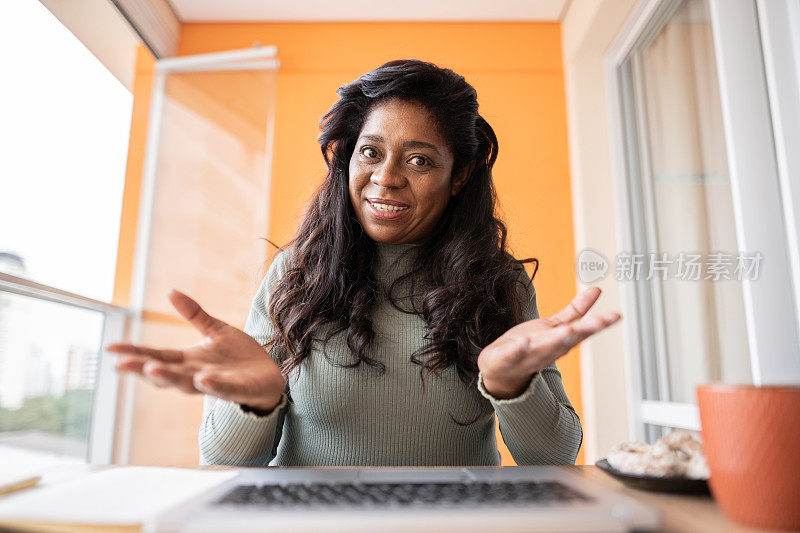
[(372, 495)]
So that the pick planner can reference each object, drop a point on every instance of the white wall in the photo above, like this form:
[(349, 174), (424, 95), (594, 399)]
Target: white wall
[(588, 29)]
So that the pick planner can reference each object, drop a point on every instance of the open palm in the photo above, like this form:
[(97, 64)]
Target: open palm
[(227, 363), (508, 363)]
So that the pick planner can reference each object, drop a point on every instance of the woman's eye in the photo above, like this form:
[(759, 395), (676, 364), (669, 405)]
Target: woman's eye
[(419, 161), (369, 152)]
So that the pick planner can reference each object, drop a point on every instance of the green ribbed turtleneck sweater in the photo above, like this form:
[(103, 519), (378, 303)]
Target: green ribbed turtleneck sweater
[(358, 416)]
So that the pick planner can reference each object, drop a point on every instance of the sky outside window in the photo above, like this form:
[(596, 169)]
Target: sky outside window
[(64, 127)]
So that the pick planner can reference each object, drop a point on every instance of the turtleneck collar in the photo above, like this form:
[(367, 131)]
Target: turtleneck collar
[(394, 250), (394, 260)]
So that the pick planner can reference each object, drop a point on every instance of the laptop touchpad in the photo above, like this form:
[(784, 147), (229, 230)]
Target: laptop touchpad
[(422, 475)]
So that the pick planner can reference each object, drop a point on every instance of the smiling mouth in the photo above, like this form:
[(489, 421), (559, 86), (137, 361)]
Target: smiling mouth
[(386, 207)]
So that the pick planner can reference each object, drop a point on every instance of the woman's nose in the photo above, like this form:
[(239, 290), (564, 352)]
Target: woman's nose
[(388, 175)]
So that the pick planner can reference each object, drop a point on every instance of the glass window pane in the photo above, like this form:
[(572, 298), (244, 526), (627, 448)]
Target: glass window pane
[(209, 221), (653, 432), (63, 146), (703, 319), (212, 187), (46, 381)]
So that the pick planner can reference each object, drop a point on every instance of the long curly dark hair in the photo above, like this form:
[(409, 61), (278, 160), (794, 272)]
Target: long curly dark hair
[(467, 280)]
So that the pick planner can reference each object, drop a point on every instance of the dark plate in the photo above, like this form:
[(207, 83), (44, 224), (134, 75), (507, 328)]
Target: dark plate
[(680, 485)]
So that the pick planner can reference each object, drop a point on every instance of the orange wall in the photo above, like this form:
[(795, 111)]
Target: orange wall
[(142, 85), (516, 69), (143, 80)]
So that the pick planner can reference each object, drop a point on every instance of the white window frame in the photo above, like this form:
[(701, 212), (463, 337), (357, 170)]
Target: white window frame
[(779, 23), (760, 198), (104, 396)]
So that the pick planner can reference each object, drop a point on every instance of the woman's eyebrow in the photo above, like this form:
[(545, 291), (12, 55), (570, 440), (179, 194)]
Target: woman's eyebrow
[(407, 144)]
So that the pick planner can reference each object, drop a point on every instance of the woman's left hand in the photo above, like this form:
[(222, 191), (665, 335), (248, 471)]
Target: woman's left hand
[(508, 364)]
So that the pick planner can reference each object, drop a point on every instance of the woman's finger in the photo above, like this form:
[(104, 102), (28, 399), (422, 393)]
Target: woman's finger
[(588, 326), (167, 356), (557, 342), (578, 306), (194, 314), (597, 322), (166, 375), (219, 383), (551, 340), (129, 363)]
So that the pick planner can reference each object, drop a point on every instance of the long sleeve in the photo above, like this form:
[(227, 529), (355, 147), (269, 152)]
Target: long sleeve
[(228, 435), (540, 425)]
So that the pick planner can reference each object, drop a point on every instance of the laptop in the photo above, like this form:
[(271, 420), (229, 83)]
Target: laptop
[(481, 499)]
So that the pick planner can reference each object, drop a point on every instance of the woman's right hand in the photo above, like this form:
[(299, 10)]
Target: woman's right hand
[(228, 363)]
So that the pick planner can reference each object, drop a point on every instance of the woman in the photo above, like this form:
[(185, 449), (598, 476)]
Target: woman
[(397, 324)]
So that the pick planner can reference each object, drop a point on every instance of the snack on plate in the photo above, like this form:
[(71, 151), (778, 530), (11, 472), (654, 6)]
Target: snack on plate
[(680, 442), (697, 468), (638, 458), (678, 454)]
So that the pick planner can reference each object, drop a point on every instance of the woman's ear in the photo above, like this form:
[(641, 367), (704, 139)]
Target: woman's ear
[(461, 178)]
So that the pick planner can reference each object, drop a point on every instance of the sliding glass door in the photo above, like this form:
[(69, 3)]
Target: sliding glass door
[(202, 222), (704, 263)]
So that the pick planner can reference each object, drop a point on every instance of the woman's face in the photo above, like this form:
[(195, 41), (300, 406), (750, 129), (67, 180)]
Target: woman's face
[(400, 173)]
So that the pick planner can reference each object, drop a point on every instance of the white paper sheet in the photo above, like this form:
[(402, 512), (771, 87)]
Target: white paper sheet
[(117, 496)]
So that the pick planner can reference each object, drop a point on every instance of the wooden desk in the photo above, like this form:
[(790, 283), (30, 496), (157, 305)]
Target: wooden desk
[(689, 514), (678, 513)]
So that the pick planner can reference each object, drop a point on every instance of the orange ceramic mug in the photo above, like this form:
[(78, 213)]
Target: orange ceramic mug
[(751, 439)]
